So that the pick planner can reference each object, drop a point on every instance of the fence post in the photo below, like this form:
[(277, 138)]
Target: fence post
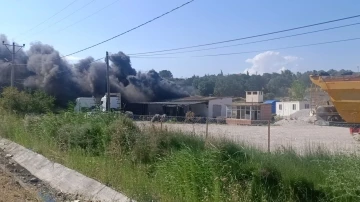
[(207, 129), (161, 124), (269, 136)]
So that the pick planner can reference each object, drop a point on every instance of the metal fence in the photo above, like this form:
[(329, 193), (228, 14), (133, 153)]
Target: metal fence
[(301, 136)]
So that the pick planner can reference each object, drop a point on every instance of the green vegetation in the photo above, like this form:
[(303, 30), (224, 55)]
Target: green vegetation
[(22, 102), (297, 90), (274, 85), (160, 165)]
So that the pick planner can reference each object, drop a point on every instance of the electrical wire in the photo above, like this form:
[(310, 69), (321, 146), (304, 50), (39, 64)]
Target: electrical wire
[(48, 18), (62, 29), (46, 28), (172, 10), (249, 37), (271, 39), (254, 51)]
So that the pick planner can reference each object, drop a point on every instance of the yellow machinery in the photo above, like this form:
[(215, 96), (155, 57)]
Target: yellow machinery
[(344, 92), (322, 107)]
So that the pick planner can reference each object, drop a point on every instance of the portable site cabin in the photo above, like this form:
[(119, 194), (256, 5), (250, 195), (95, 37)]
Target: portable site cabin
[(285, 109)]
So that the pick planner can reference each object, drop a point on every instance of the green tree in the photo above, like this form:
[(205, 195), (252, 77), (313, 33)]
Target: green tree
[(269, 96), (229, 86), (206, 87), (166, 74), (297, 90)]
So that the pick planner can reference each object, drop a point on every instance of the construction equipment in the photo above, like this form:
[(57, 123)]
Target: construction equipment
[(327, 113), (321, 106), (344, 92)]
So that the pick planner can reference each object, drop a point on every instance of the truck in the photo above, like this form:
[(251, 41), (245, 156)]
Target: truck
[(115, 102), (89, 103), (85, 104)]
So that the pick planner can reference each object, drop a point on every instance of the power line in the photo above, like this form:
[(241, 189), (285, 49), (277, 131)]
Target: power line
[(84, 6), (289, 47), (48, 18), (62, 29), (249, 37), (98, 60), (172, 10), (271, 39), (254, 51)]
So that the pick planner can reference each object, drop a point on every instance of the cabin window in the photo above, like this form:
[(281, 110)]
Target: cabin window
[(249, 93), (307, 106), (254, 93), (280, 106), (294, 106)]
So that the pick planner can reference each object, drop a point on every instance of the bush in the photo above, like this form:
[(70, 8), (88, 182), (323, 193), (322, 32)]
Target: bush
[(122, 134), (304, 190), (22, 102)]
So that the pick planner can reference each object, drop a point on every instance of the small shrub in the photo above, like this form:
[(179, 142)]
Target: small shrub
[(122, 136), (304, 190), (266, 184), (87, 136)]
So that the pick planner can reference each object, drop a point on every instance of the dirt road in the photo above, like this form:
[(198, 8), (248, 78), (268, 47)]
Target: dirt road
[(11, 190)]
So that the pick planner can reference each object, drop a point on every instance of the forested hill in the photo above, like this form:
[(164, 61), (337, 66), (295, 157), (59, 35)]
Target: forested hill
[(274, 85)]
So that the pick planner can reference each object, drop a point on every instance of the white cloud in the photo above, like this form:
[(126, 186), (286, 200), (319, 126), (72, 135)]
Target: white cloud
[(270, 61)]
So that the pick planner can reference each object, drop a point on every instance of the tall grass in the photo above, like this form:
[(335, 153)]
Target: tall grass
[(158, 165)]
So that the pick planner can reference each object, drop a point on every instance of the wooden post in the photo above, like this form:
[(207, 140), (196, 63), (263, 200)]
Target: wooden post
[(269, 136), (207, 129)]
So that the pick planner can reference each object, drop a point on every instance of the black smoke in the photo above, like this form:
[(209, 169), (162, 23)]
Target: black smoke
[(41, 67)]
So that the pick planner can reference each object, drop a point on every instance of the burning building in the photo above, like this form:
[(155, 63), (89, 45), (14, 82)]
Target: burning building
[(211, 107)]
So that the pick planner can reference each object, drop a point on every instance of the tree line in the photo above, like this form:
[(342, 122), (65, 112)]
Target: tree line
[(274, 85)]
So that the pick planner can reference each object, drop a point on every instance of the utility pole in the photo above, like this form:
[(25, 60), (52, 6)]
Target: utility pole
[(107, 83), (13, 58)]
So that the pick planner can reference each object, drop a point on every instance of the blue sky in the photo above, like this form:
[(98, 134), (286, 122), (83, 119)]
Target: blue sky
[(202, 21)]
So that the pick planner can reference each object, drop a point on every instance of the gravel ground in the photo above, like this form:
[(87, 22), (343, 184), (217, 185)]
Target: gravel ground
[(10, 190), (297, 134)]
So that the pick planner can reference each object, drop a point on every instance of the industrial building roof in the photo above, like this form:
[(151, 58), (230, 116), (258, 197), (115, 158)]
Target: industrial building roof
[(270, 101), (173, 103), (183, 101), (194, 98), (247, 104)]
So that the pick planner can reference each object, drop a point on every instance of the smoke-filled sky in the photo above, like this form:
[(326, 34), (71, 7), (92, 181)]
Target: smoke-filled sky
[(41, 67), (199, 22)]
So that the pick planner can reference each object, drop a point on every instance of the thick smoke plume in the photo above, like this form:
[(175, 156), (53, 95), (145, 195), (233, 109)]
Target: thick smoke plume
[(41, 67)]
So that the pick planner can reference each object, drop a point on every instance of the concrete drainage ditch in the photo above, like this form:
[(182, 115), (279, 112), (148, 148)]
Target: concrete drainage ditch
[(53, 182)]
